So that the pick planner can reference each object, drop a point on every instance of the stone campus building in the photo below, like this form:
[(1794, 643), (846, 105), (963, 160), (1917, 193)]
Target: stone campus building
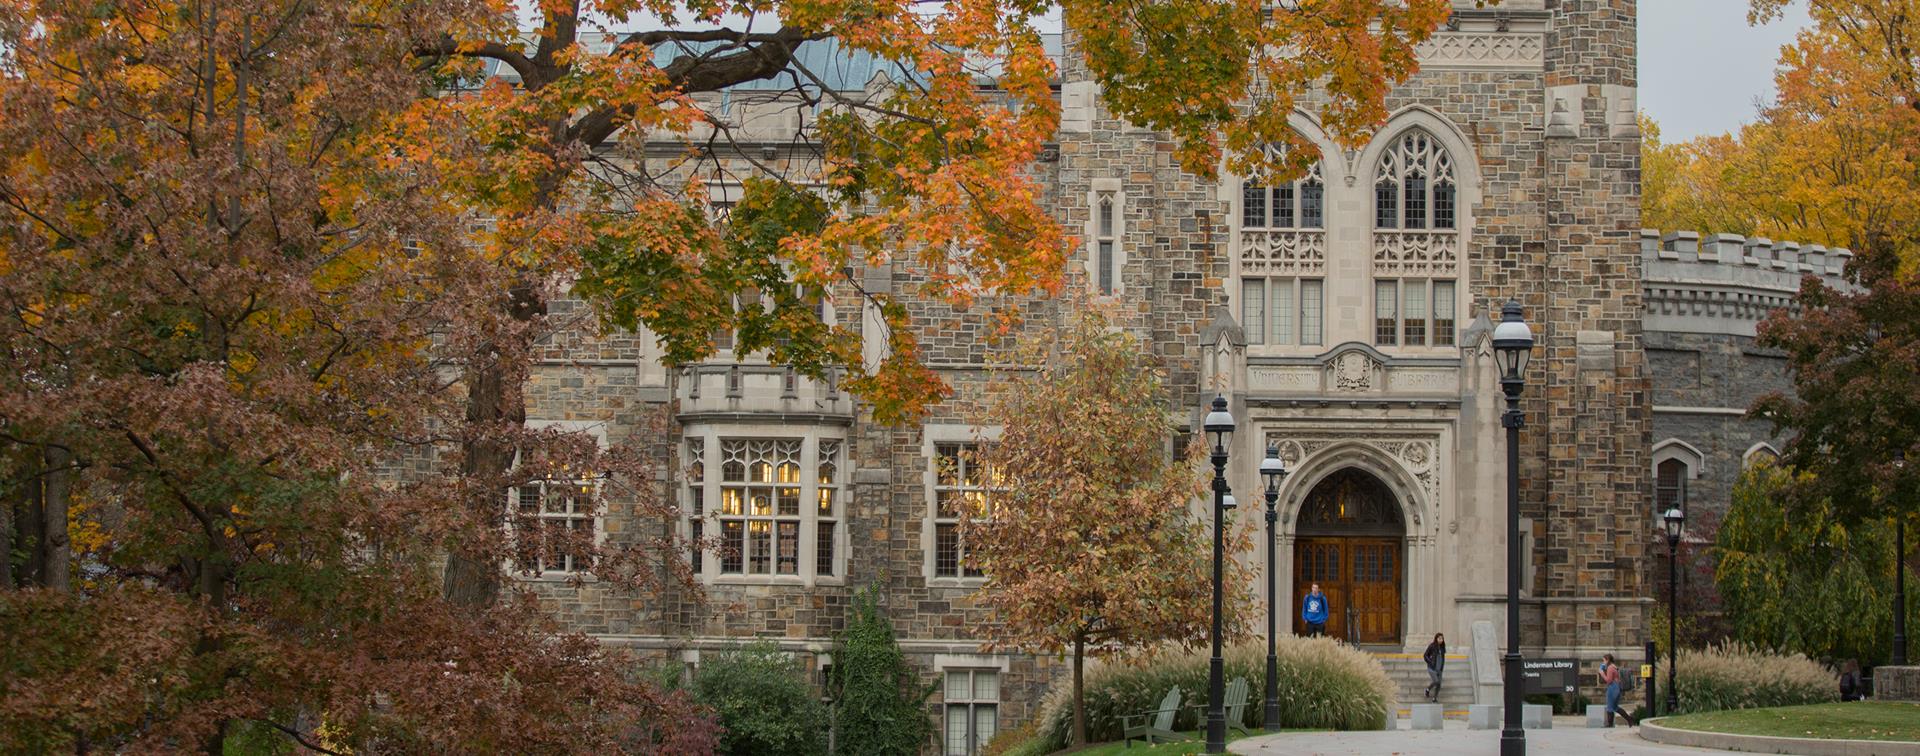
[(1348, 313)]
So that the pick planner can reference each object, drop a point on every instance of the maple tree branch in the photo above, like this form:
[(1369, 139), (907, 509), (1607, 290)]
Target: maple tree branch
[(298, 737), (513, 57), (764, 56)]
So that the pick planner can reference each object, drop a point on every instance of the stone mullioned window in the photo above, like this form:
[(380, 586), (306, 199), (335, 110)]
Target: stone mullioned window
[(1283, 257), (764, 508), (1416, 244)]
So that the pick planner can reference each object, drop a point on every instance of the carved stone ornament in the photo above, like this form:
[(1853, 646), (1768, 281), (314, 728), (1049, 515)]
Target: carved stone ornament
[(1414, 453), (1353, 371)]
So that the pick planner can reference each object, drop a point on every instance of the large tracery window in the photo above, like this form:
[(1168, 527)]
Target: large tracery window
[(1283, 257), (1414, 186), (1300, 203), (1416, 243), (766, 515)]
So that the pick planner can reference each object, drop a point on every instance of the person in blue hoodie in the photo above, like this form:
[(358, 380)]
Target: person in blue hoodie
[(1313, 611)]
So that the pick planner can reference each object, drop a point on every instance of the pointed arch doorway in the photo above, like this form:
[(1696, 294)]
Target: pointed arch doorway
[(1348, 538)]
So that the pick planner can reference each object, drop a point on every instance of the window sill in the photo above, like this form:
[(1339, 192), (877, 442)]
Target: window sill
[(956, 582), (797, 581), (555, 577)]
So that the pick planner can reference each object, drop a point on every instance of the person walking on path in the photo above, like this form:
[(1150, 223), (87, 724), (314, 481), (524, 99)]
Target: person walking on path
[(1610, 675), (1313, 611), (1436, 658)]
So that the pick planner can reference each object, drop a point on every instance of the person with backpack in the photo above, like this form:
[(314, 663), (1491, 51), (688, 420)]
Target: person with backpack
[(1313, 611), (1436, 658), (1852, 688), (1615, 681)]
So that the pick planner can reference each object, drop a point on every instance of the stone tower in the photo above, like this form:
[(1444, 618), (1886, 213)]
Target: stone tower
[(1585, 474)]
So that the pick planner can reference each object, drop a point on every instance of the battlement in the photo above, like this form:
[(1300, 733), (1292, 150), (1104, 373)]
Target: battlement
[(1726, 283)]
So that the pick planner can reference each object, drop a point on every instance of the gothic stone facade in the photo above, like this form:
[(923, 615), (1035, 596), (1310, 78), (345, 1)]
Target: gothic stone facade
[(1346, 315)]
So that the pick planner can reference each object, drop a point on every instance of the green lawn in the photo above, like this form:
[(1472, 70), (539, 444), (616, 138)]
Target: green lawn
[(1860, 720), (1192, 745)]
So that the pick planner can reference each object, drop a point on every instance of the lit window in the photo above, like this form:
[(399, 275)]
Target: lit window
[(962, 489), (770, 517), (554, 526)]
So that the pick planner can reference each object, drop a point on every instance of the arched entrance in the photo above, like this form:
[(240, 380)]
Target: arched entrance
[(1348, 539)]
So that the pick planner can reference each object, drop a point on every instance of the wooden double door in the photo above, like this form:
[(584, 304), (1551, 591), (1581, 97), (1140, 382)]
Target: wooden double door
[(1361, 576)]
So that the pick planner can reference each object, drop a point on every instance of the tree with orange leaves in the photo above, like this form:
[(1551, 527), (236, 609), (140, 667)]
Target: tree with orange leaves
[(924, 169)]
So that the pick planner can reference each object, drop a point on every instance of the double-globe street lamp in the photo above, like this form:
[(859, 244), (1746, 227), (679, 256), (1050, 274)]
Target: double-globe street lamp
[(1513, 343), (1676, 521), (1219, 427), (1272, 470)]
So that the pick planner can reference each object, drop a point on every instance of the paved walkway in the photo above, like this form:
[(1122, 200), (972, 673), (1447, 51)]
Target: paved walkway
[(1570, 737)]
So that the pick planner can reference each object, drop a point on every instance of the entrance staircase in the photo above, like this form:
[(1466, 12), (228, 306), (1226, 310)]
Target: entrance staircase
[(1409, 675)]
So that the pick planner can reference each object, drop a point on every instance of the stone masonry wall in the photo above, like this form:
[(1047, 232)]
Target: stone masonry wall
[(1589, 425)]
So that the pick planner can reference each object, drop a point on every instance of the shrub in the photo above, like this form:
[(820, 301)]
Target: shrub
[(763, 702), (880, 703), (1323, 685), (1024, 740), (1736, 676)]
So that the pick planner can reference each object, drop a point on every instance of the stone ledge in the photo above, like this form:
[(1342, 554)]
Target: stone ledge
[(1896, 683), (1653, 731)]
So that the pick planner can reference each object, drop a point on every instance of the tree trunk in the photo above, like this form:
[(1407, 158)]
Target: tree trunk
[(13, 488), (496, 398), (1079, 690), (58, 552), (29, 525)]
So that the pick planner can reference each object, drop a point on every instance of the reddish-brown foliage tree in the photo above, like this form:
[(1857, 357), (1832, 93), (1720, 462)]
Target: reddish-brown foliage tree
[(1092, 544), (230, 299)]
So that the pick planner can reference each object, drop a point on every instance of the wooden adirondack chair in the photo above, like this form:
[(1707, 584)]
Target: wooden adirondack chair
[(1236, 701), (1153, 726)]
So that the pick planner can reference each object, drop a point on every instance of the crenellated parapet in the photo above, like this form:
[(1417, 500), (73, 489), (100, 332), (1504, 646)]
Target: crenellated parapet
[(1726, 283)]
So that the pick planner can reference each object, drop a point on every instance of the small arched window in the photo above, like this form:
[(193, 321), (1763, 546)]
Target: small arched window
[(1670, 485), (1414, 186)]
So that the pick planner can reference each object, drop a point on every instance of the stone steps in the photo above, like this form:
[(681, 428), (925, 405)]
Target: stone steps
[(1409, 674)]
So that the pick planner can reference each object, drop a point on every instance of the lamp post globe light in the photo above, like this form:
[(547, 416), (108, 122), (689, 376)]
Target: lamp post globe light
[(1219, 427), (1512, 344), (1272, 470), (1676, 520)]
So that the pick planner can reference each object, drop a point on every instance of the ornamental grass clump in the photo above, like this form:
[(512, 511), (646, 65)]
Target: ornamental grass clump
[(1737, 676), (1323, 685)]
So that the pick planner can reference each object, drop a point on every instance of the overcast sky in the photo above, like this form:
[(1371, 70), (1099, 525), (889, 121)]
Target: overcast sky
[(1702, 67)]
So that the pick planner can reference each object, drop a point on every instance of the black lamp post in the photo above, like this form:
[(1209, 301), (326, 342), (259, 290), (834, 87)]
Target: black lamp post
[(1900, 578), (1899, 591), (1513, 342), (1219, 427), (1273, 470), (1676, 520)]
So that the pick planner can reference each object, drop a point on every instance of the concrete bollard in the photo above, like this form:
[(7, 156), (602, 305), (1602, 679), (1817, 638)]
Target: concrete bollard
[(1428, 716), (1483, 716), (1536, 716), (1596, 716), (1389, 718)]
